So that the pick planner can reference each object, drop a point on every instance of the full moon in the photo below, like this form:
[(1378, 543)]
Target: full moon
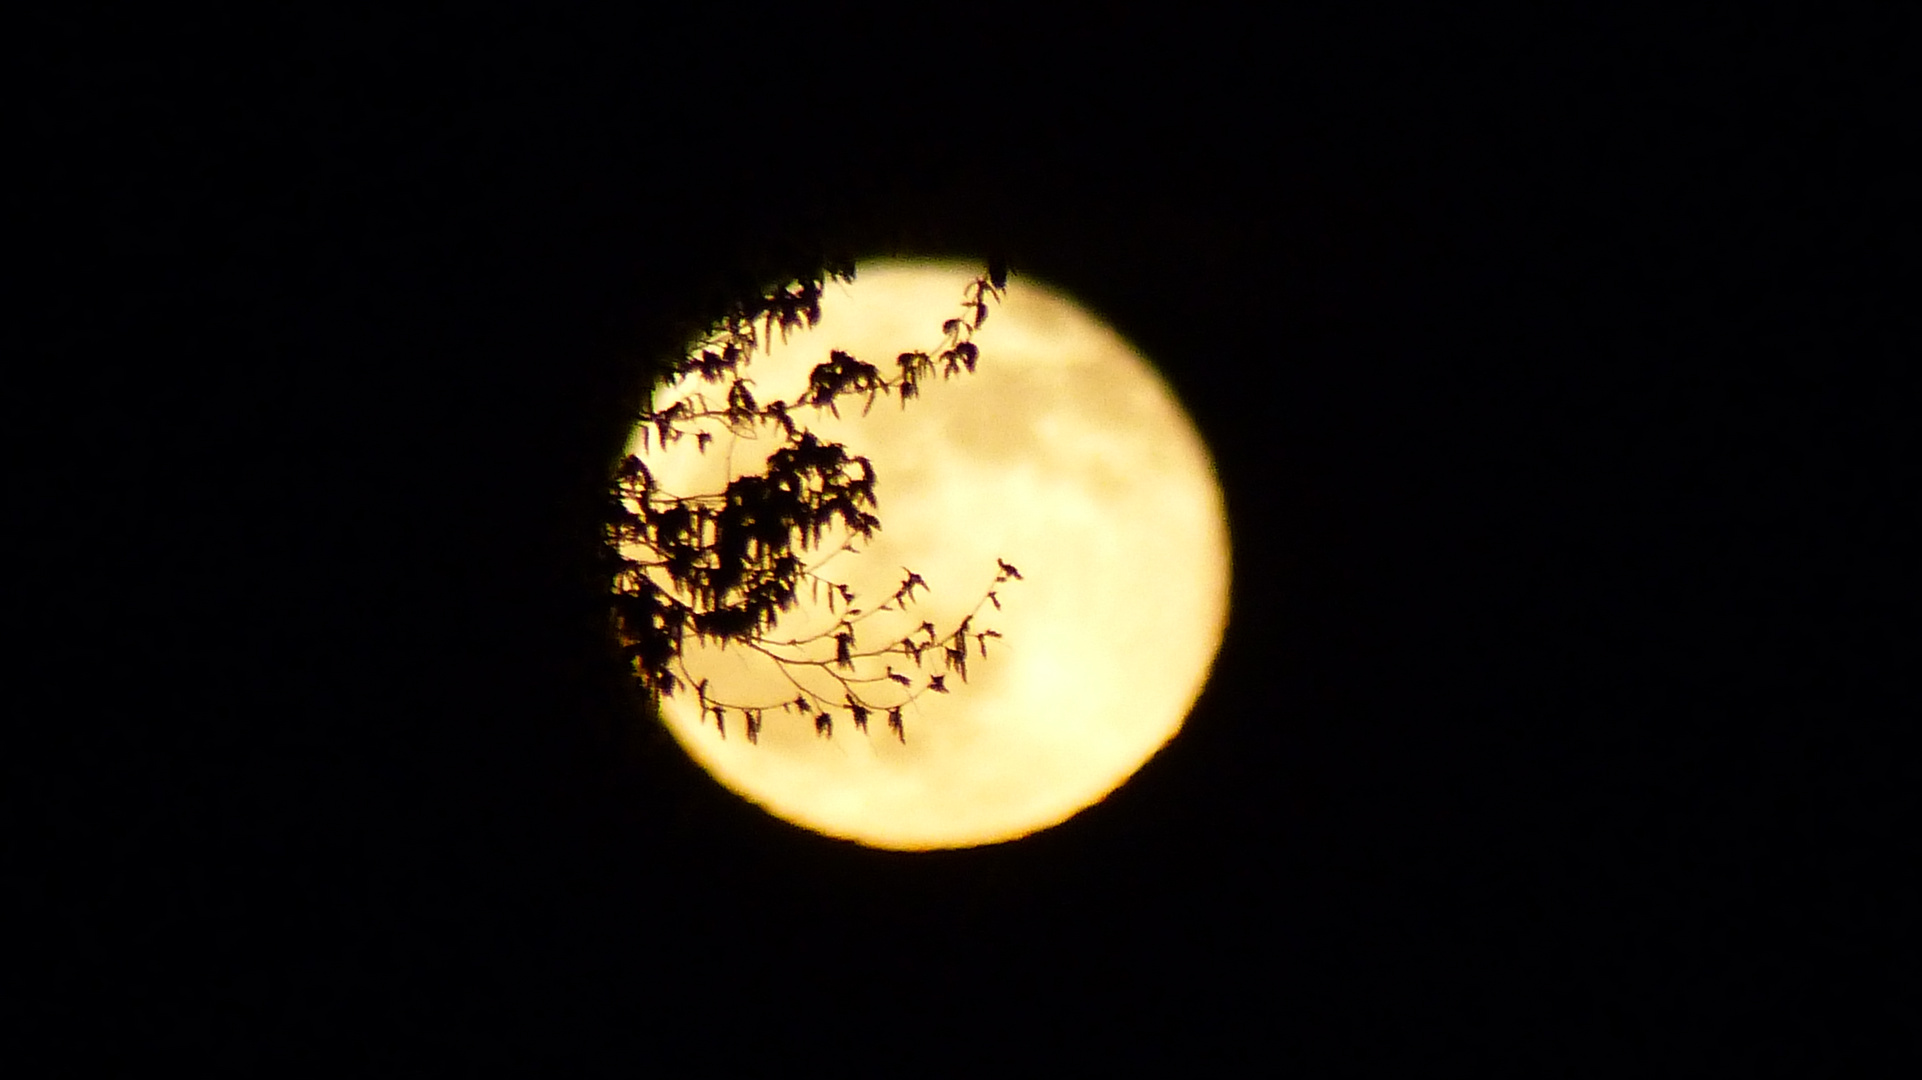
[(1063, 455)]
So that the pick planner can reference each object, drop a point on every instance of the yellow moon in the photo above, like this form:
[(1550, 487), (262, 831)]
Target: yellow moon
[(1063, 454)]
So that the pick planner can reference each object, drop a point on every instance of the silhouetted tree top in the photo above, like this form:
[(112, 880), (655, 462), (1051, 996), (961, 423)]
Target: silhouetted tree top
[(727, 567)]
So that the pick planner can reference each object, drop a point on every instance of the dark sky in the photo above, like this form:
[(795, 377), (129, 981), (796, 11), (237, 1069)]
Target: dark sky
[(1514, 372)]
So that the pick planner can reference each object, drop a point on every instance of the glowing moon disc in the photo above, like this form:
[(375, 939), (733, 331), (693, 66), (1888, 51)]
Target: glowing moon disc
[(1063, 454)]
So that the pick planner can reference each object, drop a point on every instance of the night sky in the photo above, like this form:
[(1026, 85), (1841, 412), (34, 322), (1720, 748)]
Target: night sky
[(1514, 372)]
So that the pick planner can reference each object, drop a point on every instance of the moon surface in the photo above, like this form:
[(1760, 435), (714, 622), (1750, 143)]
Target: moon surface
[(1063, 454)]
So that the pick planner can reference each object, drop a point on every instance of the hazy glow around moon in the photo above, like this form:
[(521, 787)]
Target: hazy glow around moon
[(1063, 454)]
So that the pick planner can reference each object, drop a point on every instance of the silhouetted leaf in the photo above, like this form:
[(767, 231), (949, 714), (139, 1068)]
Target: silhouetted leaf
[(981, 639)]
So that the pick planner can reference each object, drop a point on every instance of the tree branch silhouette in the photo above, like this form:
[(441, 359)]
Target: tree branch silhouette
[(726, 566)]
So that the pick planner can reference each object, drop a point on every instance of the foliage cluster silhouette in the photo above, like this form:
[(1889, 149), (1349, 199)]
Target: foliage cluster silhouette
[(728, 566)]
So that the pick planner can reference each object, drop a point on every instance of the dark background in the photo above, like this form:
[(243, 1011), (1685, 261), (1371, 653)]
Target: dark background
[(1541, 365)]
